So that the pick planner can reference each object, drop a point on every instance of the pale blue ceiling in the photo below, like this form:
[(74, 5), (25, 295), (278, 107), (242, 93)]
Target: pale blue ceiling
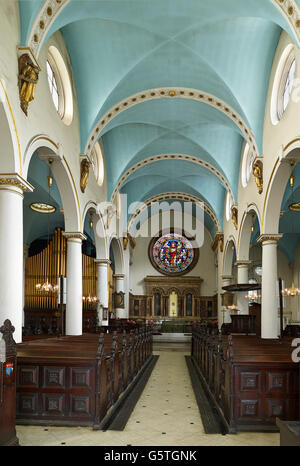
[(121, 47)]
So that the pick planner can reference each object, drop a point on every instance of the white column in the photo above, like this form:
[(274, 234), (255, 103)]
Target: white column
[(11, 251), (120, 288), (227, 279), (102, 291), (242, 278), (269, 305), (74, 284)]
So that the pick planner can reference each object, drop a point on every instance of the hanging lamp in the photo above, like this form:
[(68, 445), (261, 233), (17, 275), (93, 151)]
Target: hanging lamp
[(294, 207), (47, 287)]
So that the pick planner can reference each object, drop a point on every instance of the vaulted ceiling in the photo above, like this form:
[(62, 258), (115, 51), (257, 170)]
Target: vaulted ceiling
[(169, 77)]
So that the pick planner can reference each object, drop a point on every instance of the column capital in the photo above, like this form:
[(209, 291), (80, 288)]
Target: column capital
[(102, 261), (16, 181), (74, 235), (119, 275), (242, 263), (269, 238)]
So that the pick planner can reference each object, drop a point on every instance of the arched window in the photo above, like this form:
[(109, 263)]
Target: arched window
[(229, 203), (247, 163), (60, 85), (53, 85), (283, 84), (97, 163)]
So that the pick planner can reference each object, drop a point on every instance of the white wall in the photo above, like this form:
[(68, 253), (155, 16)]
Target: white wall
[(141, 267)]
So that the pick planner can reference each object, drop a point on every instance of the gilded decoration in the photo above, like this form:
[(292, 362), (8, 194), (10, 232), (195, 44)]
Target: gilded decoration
[(84, 174), (234, 216), (15, 180), (28, 78), (258, 175)]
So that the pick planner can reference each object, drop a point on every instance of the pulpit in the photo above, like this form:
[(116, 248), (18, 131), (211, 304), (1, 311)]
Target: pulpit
[(243, 323)]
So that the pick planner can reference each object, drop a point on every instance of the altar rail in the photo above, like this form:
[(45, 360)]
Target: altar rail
[(77, 380), (251, 381)]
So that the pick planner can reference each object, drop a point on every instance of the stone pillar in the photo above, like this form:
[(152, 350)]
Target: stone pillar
[(226, 281), (242, 278), (102, 291), (12, 188), (269, 304), (74, 283)]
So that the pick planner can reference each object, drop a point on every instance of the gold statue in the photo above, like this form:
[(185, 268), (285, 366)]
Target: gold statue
[(28, 78), (84, 174), (221, 243), (125, 242), (258, 175), (234, 216)]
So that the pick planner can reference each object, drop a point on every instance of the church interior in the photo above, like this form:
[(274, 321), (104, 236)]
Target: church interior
[(149, 223)]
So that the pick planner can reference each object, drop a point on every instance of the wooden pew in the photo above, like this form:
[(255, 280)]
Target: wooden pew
[(252, 381), (8, 388), (76, 380)]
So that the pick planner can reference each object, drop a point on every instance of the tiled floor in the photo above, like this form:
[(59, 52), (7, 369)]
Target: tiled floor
[(166, 414)]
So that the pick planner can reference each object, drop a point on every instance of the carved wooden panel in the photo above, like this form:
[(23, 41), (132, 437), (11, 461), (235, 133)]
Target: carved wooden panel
[(28, 376), (80, 378), (53, 404), (249, 408), (276, 407), (278, 381), (80, 405), (27, 403), (53, 377), (250, 381)]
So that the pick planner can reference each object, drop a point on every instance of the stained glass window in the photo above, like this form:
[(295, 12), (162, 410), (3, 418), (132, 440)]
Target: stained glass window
[(172, 254)]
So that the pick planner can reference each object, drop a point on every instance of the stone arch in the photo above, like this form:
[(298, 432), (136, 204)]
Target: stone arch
[(276, 187), (47, 148), (229, 250), (102, 249), (11, 159), (160, 157), (170, 93), (245, 231), (174, 196), (115, 244)]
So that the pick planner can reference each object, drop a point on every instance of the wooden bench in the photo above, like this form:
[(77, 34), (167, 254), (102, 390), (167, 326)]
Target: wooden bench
[(76, 380), (252, 381)]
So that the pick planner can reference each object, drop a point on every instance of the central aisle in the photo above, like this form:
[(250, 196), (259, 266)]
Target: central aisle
[(165, 415)]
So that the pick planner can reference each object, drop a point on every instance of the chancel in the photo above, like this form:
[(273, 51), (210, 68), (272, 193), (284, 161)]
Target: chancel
[(149, 223)]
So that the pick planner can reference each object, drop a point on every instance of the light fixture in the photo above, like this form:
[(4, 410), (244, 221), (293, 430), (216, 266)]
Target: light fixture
[(90, 299), (253, 296), (47, 287), (252, 226), (42, 208), (294, 207), (291, 292)]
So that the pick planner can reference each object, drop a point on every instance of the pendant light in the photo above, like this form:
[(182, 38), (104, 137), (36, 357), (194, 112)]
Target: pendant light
[(292, 291), (47, 287)]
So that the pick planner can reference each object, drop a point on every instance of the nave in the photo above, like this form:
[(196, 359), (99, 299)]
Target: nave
[(166, 414)]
